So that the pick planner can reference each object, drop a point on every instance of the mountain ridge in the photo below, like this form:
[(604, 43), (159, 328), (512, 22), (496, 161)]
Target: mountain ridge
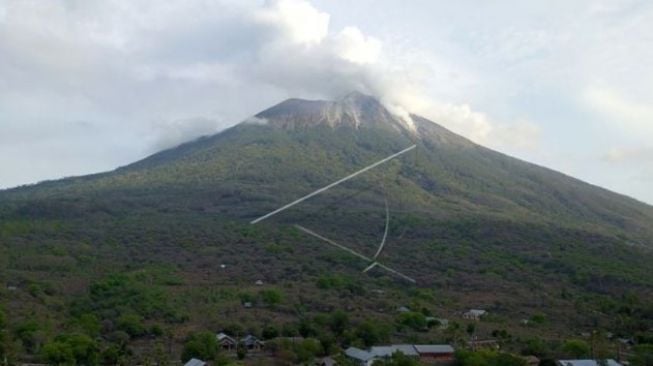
[(454, 170)]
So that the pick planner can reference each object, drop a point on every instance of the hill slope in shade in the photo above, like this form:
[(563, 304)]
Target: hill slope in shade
[(474, 227)]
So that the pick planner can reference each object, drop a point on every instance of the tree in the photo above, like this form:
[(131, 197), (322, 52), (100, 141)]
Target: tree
[(3, 340), (371, 333), (241, 351), (132, 324), (536, 347), (487, 358), (339, 322), (270, 332), (201, 345), (89, 324), (307, 350), (576, 348), (58, 353), (397, 359), (72, 349), (414, 320), (643, 355), (271, 297)]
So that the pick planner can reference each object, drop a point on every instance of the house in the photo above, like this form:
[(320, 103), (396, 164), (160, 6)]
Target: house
[(359, 356), (430, 353), (474, 314), (403, 309), (226, 342), (588, 363), (626, 341), (532, 360), (387, 351), (483, 344), (195, 362), (427, 353), (252, 343), (326, 361)]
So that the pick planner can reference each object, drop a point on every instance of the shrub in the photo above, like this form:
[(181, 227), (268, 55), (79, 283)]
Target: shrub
[(201, 345)]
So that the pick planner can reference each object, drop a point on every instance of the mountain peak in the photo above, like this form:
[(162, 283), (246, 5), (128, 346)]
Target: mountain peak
[(358, 98), (355, 109)]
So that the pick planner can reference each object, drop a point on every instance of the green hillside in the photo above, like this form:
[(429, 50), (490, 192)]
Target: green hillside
[(139, 258)]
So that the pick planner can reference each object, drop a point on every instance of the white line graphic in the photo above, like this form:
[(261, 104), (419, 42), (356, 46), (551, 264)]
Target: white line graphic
[(300, 200), (353, 252), (387, 226), (312, 233)]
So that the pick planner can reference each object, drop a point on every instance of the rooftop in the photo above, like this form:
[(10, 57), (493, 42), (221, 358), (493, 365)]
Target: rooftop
[(195, 362), (588, 363), (434, 348)]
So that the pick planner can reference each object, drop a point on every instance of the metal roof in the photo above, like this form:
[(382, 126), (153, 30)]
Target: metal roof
[(195, 362), (358, 354), (587, 363), (387, 351), (434, 348)]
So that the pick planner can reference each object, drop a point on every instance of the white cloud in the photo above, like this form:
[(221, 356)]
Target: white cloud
[(352, 45), (635, 117), (299, 21), (167, 134), (629, 155)]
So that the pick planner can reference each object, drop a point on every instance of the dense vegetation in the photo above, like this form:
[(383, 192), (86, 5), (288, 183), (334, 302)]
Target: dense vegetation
[(143, 264)]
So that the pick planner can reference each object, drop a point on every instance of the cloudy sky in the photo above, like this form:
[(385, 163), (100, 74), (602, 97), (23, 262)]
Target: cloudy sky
[(87, 86)]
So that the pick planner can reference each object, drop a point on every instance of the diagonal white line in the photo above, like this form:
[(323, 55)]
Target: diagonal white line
[(331, 185), (370, 267), (409, 279), (397, 273), (309, 232)]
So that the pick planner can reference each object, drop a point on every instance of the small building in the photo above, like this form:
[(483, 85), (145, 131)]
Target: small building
[(388, 351), (403, 309), (247, 304), (359, 357), (258, 283), (427, 353), (326, 361), (431, 353), (483, 344), (252, 343), (226, 342), (474, 314), (532, 360), (195, 362), (588, 363), (626, 341)]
